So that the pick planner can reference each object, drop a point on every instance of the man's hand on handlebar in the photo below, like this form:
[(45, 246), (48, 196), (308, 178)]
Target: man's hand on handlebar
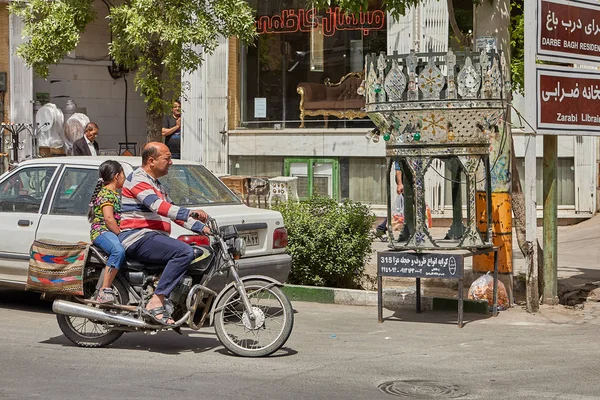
[(206, 230), (199, 215)]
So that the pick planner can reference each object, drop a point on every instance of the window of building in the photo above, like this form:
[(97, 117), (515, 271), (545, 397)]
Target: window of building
[(365, 180), (316, 176), (565, 172), (307, 64)]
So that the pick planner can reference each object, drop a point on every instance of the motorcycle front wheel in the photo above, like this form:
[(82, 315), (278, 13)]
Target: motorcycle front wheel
[(270, 328), (86, 333)]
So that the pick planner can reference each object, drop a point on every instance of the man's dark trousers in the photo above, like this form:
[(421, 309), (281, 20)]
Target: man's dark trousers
[(156, 248)]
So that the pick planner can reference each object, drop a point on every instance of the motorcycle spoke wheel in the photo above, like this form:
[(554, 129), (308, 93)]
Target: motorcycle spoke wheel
[(264, 334), (87, 333)]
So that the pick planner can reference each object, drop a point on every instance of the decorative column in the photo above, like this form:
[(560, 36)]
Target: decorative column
[(421, 237)]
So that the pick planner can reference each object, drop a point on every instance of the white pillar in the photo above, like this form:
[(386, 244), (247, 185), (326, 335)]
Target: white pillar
[(20, 79)]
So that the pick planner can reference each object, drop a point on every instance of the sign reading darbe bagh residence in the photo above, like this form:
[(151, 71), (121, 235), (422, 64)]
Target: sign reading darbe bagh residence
[(568, 98), (569, 29)]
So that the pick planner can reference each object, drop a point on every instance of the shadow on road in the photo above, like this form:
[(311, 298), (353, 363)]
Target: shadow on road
[(169, 343), (577, 275), (21, 300), (283, 352), (434, 317)]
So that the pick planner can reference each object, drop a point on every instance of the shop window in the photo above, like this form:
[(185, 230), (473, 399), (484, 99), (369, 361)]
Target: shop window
[(307, 64)]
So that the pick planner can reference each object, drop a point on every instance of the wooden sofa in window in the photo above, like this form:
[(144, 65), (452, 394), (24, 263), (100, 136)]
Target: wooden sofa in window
[(337, 99)]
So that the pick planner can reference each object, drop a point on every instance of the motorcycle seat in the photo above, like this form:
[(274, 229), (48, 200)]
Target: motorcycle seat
[(130, 264)]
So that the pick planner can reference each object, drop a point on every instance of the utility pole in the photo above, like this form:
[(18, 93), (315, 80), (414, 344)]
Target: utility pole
[(550, 219), (532, 288)]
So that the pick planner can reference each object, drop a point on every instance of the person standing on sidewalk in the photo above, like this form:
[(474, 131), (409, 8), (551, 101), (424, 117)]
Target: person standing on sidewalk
[(381, 230), (87, 145), (171, 130)]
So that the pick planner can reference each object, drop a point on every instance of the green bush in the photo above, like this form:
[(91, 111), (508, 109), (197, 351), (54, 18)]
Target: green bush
[(329, 242)]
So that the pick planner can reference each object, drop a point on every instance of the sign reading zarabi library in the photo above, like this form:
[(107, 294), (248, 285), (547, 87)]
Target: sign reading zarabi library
[(568, 30), (424, 265), (568, 100)]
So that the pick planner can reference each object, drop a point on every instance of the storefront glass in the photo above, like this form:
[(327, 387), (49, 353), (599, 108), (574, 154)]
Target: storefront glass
[(319, 53)]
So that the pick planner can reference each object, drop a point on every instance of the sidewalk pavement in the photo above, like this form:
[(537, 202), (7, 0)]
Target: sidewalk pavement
[(578, 265)]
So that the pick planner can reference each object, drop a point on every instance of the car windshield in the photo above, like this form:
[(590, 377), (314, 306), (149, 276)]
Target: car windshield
[(194, 185)]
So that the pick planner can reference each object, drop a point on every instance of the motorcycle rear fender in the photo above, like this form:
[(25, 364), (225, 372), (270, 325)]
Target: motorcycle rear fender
[(263, 278)]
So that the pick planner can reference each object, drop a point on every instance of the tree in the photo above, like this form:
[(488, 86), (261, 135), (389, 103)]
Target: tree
[(156, 38)]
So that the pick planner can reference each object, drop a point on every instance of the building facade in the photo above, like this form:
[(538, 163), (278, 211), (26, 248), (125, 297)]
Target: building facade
[(286, 105)]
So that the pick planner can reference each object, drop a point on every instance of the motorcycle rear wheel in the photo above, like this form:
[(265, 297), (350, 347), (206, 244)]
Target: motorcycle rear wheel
[(259, 338), (86, 333)]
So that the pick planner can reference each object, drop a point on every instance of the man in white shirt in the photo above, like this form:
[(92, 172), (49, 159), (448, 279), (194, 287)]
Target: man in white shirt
[(87, 145)]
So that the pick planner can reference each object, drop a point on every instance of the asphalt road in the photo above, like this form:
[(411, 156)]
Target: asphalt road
[(335, 352)]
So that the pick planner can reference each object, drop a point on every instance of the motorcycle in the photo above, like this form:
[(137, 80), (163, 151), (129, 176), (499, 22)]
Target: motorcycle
[(252, 317)]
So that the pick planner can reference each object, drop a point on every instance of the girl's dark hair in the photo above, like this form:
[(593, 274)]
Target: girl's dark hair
[(107, 171)]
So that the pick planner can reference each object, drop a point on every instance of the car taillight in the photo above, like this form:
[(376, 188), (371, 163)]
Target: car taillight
[(198, 240), (280, 238)]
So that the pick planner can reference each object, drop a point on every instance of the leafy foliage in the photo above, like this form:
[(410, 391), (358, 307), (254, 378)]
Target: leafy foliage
[(54, 29), (329, 242), (517, 46), (159, 38)]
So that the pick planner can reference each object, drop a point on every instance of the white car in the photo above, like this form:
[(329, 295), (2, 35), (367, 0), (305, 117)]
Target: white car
[(49, 197)]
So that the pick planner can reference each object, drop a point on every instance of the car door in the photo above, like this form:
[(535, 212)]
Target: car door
[(66, 219), (22, 196)]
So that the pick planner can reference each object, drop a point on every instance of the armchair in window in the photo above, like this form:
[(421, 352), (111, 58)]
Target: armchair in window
[(332, 99)]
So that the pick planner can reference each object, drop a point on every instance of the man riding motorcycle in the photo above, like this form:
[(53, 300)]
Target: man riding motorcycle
[(147, 212)]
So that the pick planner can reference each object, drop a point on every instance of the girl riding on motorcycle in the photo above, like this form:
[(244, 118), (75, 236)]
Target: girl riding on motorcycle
[(104, 215)]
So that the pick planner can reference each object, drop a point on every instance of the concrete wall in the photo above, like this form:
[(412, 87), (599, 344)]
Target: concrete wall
[(304, 142)]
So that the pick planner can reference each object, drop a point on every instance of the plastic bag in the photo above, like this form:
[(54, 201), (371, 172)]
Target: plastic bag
[(398, 214), (74, 130), (483, 289), (51, 118)]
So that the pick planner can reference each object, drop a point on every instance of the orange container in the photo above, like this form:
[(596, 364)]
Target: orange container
[(501, 232)]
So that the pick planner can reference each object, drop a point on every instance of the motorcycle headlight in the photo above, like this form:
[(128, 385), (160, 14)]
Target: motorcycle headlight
[(239, 247)]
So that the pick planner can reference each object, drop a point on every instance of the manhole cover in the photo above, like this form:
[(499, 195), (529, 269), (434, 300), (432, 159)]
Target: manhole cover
[(421, 389)]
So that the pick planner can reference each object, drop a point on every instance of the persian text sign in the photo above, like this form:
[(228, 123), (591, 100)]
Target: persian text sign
[(568, 30), (420, 265), (290, 21), (568, 100)]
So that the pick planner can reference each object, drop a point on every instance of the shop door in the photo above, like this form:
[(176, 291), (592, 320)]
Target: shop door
[(316, 176)]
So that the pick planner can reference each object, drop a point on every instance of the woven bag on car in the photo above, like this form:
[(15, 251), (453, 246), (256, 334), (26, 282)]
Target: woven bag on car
[(56, 267)]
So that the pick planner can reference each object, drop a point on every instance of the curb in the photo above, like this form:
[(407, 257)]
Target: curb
[(393, 298)]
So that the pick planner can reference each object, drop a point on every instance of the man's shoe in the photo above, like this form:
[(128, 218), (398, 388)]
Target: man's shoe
[(379, 234)]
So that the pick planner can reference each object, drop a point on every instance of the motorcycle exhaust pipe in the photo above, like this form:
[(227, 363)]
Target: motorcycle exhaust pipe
[(79, 310)]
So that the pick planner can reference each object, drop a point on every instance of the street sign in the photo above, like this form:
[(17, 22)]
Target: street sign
[(420, 265), (568, 31), (568, 101)]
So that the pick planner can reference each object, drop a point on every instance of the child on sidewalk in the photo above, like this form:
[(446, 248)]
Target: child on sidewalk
[(105, 215)]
